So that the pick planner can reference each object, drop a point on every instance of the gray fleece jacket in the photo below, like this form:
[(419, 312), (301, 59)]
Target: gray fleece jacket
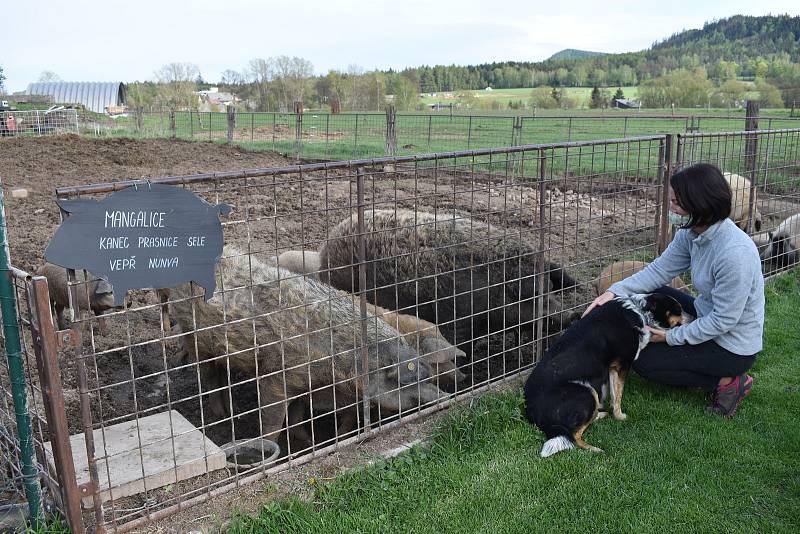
[(726, 272)]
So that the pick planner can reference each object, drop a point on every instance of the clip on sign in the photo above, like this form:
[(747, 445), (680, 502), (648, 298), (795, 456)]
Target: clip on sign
[(156, 236)]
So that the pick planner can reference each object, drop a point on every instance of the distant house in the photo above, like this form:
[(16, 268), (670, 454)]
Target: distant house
[(212, 99), (624, 103), (94, 96), (488, 89)]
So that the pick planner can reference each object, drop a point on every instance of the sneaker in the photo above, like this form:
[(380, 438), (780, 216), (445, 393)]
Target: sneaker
[(728, 397)]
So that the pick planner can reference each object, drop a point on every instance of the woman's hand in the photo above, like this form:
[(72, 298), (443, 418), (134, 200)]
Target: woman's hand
[(657, 335), (599, 301)]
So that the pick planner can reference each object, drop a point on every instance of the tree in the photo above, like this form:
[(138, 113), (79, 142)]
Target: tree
[(177, 85), (596, 100), (48, 76), (406, 94), (729, 93), (2, 80), (557, 94), (619, 94), (260, 71), (542, 97), (768, 94)]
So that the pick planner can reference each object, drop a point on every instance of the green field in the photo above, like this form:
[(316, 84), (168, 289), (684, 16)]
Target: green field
[(503, 96)]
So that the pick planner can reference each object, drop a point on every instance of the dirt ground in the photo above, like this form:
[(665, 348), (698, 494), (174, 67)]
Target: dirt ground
[(133, 366)]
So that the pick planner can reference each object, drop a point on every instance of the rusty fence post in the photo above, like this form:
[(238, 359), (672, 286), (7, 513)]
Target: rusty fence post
[(540, 258), (362, 285), (45, 347)]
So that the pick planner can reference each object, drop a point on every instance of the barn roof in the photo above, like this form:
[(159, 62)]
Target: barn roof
[(92, 95)]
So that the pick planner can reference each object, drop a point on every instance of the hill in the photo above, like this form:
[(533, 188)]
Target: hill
[(765, 48), (571, 53)]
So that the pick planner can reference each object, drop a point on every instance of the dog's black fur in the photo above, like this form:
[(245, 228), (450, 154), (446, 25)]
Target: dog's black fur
[(564, 392)]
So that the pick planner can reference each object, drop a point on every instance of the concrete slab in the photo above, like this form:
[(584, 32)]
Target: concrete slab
[(141, 455)]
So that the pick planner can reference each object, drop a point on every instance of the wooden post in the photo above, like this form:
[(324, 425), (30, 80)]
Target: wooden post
[(664, 175), (231, 122), (391, 133), (751, 154), (172, 127), (298, 128)]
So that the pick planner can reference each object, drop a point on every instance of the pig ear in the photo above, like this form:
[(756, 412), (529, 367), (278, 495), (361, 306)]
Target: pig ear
[(103, 287), (77, 205)]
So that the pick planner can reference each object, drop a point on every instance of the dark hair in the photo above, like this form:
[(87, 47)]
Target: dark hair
[(703, 192)]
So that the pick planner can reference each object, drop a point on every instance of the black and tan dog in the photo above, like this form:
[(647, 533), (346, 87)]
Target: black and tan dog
[(565, 391)]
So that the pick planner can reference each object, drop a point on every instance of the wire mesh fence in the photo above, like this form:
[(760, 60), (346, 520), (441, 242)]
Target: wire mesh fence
[(38, 122), (355, 295), (364, 135)]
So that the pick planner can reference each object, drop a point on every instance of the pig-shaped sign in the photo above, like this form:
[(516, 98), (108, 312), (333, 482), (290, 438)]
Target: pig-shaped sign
[(144, 236)]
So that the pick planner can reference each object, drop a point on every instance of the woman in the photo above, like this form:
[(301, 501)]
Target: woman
[(715, 351)]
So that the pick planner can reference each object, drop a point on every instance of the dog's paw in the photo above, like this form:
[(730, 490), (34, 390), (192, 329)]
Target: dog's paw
[(620, 416), (595, 449), (600, 415)]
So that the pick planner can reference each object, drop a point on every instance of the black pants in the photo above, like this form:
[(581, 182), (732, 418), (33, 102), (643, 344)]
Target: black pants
[(695, 366)]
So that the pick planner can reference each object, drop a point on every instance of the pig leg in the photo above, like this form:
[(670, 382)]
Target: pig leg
[(273, 405), (297, 419), (213, 375)]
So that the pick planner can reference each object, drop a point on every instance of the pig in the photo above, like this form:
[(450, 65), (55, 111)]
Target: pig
[(740, 204), (100, 294), (783, 249), (298, 261), (466, 276), (296, 335), (620, 270)]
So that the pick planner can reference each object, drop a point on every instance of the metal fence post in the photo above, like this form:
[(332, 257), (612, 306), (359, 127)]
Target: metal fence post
[(13, 349), (540, 258), (430, 125), (362, 283), (469, 134), (191, 125)]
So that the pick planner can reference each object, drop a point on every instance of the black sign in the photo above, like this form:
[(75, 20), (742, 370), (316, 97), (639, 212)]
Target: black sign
[(147, 236)]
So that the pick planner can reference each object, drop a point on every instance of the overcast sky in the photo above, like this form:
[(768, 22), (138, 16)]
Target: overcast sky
[(108, 40)]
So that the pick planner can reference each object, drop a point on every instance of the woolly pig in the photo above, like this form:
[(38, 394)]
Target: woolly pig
[(100, 294), (298, 261), (456, 272), (425, 337), (297, 335), (621, 270), (740, 205), (420, 334), (784, 243)]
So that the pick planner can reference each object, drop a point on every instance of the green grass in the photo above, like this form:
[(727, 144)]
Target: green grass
[(668, 468), (581, 95)]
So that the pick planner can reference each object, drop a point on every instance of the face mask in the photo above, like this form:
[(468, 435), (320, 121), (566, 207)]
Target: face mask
[(678, 220)]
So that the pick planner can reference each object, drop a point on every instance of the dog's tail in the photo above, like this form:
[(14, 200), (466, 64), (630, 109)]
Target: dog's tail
[(557, 444)]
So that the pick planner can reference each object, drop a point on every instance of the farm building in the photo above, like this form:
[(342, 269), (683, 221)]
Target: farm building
[(94, 96), (624, 103)]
